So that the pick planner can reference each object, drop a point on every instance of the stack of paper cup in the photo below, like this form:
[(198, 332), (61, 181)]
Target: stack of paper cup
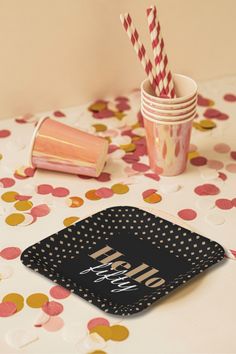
[(168, 124)]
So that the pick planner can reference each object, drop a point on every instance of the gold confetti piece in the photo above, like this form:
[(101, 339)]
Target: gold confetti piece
[(97, 106), (98, 352), (120, 115), (128, 147), (193, 154), (103, 331), (119, 333), (9, 197), (23, 205), (91, 195), (108, 139), (17, 299), (207, 124), (14, 219), (75, 202), (100, 127), (198, 127), (36, 300), (120, 188), (153, 198), (70, 220), (1, 156), (136, 125)]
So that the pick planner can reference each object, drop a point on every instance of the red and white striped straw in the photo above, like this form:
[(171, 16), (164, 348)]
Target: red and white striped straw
[(140, 50), (163, 74)]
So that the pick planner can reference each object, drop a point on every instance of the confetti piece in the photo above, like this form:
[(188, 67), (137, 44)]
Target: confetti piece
[(102, 331), (224, 204), (112, 148), (29, 219), (187, 214), (4, 133), (41, 319), (59, 114), (192, 155), (212, 113), (7, 182), (52, 308), (204, 102), (104, 192), (19, 338), (139, 131), (104, 177), (6, 271), (36, 300), (234, 202), (58, 292), (91, 342), (169, 188), (231, 167), (60, 192), (118, 154), (153, 199), (54, 324), (44, 189), (91, 195), (17, 299), (222, 148), (207, 124), (215, 164), (40, 210), (73, 332), (205, 204), (128, 147), (123, 106), (215, 219), (140, 167), (152, 176), (30, 171), (130, 158), (120, 188), (9, 197), (14, 219), (119, 333), (98, 352), (230, 97), (7, 309), (148, 192), (106, 113), (23, 205), (98, 106), (209, 174), (23, 197), (75, 202), (233, 155), (9, 253), (97, 321), (207, 189), (222, 176), (100, 127), (198, 161), (70, 220)]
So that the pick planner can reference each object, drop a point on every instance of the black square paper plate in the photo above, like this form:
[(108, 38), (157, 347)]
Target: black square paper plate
[(122, 259)]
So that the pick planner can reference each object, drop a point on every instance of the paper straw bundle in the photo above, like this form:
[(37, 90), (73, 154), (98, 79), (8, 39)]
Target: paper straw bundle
[(160, 76)]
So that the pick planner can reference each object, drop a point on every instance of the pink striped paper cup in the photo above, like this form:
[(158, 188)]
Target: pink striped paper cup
[(59, 147), (169, 114)]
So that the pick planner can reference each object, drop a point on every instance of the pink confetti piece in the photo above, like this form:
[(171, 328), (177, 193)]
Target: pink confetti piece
[(7, 309), (231, 167), (23, 197), (123, 106), (130, 172), (152, 176), (198, 161), (230, 97), (9, 253), (59, 114), (140, 167), (148, 192), (187, 214), (207, 189), (130, 158), (58, 292), (128, 132), (52, 308), (233, 201), (224, 204), (202, 101), (104, 177), (122, 98), (60, 192), (84, 177), (215, 164), (222, 148), (233, 155), (30, 171), (223, 116), (112, 148), (54, 324), (222, 176), (104, 192), (212, 113), (4, 133), (140, 118), (106, 113), (44, 189), (7, 182), (97, 321), (40, 210)]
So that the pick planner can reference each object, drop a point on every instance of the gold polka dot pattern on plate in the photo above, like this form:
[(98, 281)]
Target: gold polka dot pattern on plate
[(103, 331), (120, 188), (128, 147), (17, 299), (119, 333), (91, 195), (23, 205), (70, 220), (153, 198), (9, 197), (100, 127), (36, 300), (75, 202), (14, 219)]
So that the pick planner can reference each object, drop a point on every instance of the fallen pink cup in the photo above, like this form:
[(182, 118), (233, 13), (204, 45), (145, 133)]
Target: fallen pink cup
[(59, 147)]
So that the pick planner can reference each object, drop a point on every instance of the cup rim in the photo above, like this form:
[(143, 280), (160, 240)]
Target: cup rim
[(173, 112), (172, 107), (170, 122), (170, 100), (32, 141), (167, 118)]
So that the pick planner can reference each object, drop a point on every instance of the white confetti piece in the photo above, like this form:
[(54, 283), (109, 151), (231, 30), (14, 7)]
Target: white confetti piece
[(118, 154), (74, 332), (6, 271), (90, 343), (139, 131), (209, 174), (122, 140), (19, 338), (215, 219), (41, 319), (205, 204), (169, 188)]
